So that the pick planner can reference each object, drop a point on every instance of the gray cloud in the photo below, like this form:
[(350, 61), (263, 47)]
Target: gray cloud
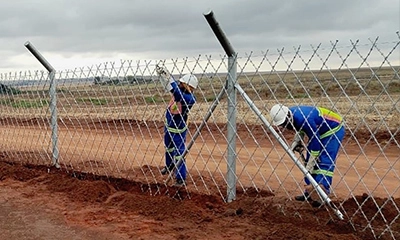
[(178, 28)]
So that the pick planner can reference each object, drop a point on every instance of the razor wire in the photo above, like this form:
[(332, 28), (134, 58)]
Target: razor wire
[(111, 122)]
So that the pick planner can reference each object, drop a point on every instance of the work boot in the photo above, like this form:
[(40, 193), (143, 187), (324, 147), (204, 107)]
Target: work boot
[(316, 204), (167, 169), (179, 183), (313, 193), (302, 198)]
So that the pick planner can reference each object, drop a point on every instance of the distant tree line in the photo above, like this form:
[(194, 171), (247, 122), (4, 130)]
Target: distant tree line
[(127, 80), (4, 89)]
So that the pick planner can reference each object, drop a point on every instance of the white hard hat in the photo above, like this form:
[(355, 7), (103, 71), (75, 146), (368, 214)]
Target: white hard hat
[(278, 114), (190, 80)]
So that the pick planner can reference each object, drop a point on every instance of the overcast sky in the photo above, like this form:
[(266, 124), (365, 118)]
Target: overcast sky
[(77, 33)]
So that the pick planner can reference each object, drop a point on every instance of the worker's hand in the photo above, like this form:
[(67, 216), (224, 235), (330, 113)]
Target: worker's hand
[(297, 147), (165, 78), (297, 144), (312, 161), (161, 71)]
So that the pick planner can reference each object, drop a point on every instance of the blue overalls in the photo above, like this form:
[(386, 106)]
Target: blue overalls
[(176, 128), (325, 131)]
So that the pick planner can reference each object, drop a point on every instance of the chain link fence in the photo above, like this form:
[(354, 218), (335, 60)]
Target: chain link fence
[(110, 122)]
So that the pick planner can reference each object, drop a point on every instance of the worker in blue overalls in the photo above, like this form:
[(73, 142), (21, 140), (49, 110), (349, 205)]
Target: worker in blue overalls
[(176, 118), (325, 132)]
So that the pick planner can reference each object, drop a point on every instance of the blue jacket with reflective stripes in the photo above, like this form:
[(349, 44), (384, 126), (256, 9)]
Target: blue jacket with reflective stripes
[(178, 109), (317, 123)]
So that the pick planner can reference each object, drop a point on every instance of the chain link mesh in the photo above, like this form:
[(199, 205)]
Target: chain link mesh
[(111, 122)]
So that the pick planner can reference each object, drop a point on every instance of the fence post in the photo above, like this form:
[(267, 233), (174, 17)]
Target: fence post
[(231, 92), (53, 101), (231, 129)]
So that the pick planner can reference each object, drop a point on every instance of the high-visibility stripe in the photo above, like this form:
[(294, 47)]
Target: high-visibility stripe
[(177, 157), (176, 130), (314, 153), (170, 150), (330, 132), (332, 116), (329, 115), (323, 172)]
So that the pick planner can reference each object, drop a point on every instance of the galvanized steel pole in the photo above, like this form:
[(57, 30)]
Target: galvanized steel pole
[(231, 93), (53, 101)]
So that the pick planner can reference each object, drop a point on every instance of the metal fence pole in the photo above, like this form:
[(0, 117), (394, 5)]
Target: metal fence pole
[(231, 92), (53, 101), (231, 129)]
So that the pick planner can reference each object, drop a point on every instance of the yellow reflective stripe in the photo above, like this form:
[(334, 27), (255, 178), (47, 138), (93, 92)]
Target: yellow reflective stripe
[(330, 115), (176, 130), (314, 153), (170, 149), (330, 132), (323, 172)]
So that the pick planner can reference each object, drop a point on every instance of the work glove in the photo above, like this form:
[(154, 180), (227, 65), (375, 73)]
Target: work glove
[(297, 144), (161, 71), (165, 78), (312, 161), (297, 147)]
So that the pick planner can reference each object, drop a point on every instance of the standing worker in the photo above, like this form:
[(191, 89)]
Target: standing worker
[(176, 118), (325, 132)]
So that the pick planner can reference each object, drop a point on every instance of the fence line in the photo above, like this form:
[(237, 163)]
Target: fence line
[(110, 122)]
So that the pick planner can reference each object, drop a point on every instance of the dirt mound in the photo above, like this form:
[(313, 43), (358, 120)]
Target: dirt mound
[(179, 214)]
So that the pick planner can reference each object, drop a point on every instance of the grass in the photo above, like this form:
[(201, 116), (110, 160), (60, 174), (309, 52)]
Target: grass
[(210, 98), (153, 99), (94, 101), (304, 95), (38, 103)]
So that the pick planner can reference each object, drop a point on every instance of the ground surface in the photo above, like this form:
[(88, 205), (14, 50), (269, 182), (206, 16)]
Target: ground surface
[(38, 202), (42, 203)]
